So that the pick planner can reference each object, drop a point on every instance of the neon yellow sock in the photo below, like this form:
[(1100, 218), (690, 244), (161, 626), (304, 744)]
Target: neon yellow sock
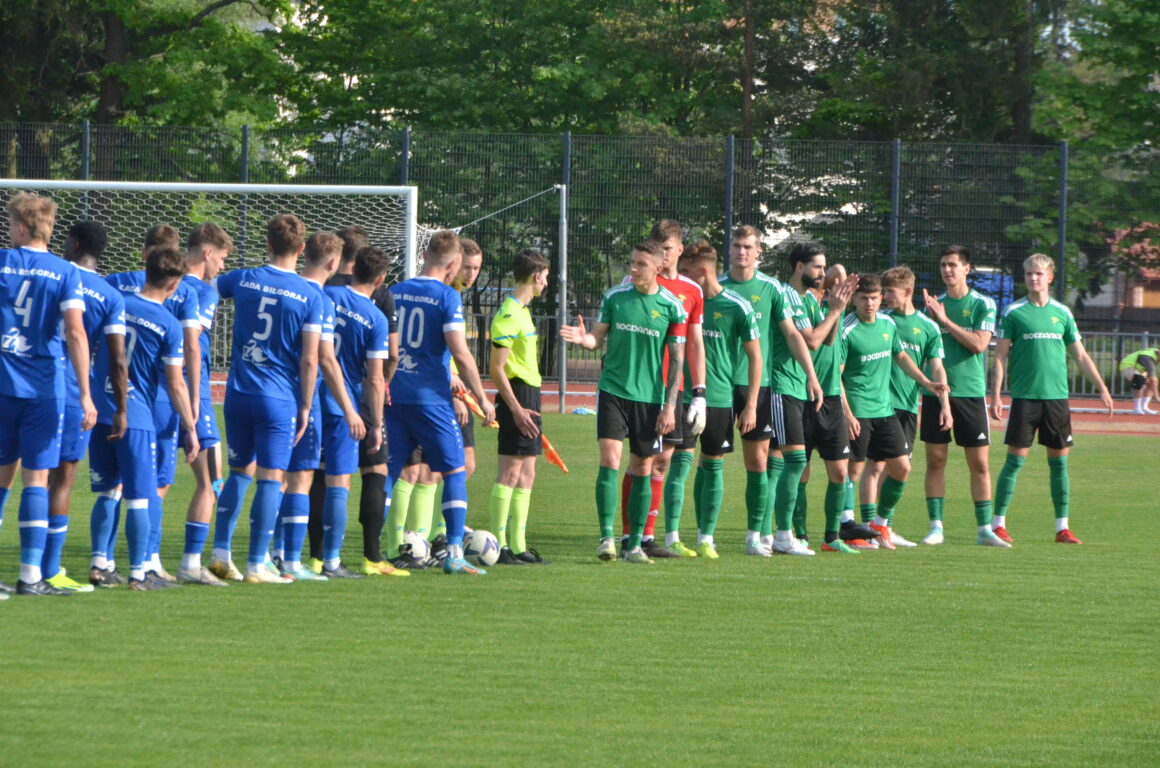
[(501, 499), (521, 499), (422, 509), (397, 516)]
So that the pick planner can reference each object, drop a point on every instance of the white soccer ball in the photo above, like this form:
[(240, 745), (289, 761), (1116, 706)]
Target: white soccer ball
[(420, 547), (481, 548)]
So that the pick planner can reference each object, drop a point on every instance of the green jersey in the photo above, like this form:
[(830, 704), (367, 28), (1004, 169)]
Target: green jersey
[(640, 325), (759, 291), (729, 322), (786, 376), (512, 327), (1039, 336), (1132, 361), (922, 342), (965, 370), (868, 351), (826, 363)]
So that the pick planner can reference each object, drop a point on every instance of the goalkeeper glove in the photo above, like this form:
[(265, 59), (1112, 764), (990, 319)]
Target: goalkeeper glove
[(695, 416)]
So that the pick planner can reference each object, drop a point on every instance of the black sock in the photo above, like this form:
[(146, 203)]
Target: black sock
[(314, 526), (371, 508), (831, 537)]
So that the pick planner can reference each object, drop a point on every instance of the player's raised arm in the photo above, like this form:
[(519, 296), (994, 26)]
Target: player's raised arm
[(579, 334), (974, 341), (998, 373)]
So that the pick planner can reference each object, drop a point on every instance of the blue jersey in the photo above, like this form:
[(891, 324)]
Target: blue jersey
[(207, 301), (273, 308), (183, 305), (427, 309), (36, 288), (153, 340), (327, 333), (360, 334), (104, 316)]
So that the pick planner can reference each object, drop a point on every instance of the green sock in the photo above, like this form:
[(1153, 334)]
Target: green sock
[(1060, 485), (397, 516), (521, 501), (891, 494), (698, 488), (835, 495), (1005, 488), (934, 507), (789, 479), (422, 510), (606, 504), (773, 470), (869, 511), (712, 490), (848, 497), (639, 498), (983, 512), (800, 511), (756, 493), (675, 483), (498, 506)]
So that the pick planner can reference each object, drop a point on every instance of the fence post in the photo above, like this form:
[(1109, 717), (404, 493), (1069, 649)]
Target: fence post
[(86, 145), (405, 160), (729, 153), (243, 201), (1061, 246), (895, 197), (562, 272)]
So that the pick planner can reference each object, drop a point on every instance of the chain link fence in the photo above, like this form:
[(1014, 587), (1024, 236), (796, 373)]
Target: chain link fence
[(872, 204)]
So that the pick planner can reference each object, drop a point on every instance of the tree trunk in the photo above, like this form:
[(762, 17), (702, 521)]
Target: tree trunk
[(116, 53)]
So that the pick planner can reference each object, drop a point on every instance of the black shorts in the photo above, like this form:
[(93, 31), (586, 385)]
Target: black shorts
[(468, 431), (617, 418), (972, 427), (826, 431), (909, 423), (879, 440), (365, 458), (788, 426), (717, 439), (512, 442), (681, 432), (763, 428), (1050, 418), (1138, 380)]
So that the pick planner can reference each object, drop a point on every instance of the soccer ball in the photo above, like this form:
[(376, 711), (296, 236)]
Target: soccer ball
[(481, 548), (420, 547)]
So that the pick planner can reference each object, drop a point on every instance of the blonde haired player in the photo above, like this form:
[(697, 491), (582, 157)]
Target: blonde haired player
[(1035, 335)]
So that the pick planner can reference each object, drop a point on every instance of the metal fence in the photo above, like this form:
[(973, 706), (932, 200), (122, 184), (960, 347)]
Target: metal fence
[(872, 204)]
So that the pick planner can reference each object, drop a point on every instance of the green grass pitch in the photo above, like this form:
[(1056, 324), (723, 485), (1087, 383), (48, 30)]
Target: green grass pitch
[(950, 656)]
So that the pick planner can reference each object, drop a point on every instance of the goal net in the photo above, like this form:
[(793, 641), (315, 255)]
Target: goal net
[(129, 209)]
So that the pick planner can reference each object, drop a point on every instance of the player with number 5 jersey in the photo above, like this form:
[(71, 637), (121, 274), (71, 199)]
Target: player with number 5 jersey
[(273, 371)]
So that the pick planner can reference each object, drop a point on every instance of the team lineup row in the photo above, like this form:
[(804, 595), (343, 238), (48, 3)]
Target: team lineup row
[(307, 400)]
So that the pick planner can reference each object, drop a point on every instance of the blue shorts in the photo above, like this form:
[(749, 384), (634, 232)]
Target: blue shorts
[(74, 441), (208, 434), (166, 423), (340, 449), (307, 455), (30, 430), (430, 427), (130, 462), (259, 428)]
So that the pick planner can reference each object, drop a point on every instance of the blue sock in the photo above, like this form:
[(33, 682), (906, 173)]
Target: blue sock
[(33, 520), (229, 508), (137, 532), (334, 523), (277, 540), (54, 543), (455, 506), (295, 514), (3, 501), (195, 536), (114, 531), (101, 525), (263, 513), (154, 526)]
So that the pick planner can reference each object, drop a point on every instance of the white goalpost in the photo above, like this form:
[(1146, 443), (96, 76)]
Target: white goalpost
[(128, 209)]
